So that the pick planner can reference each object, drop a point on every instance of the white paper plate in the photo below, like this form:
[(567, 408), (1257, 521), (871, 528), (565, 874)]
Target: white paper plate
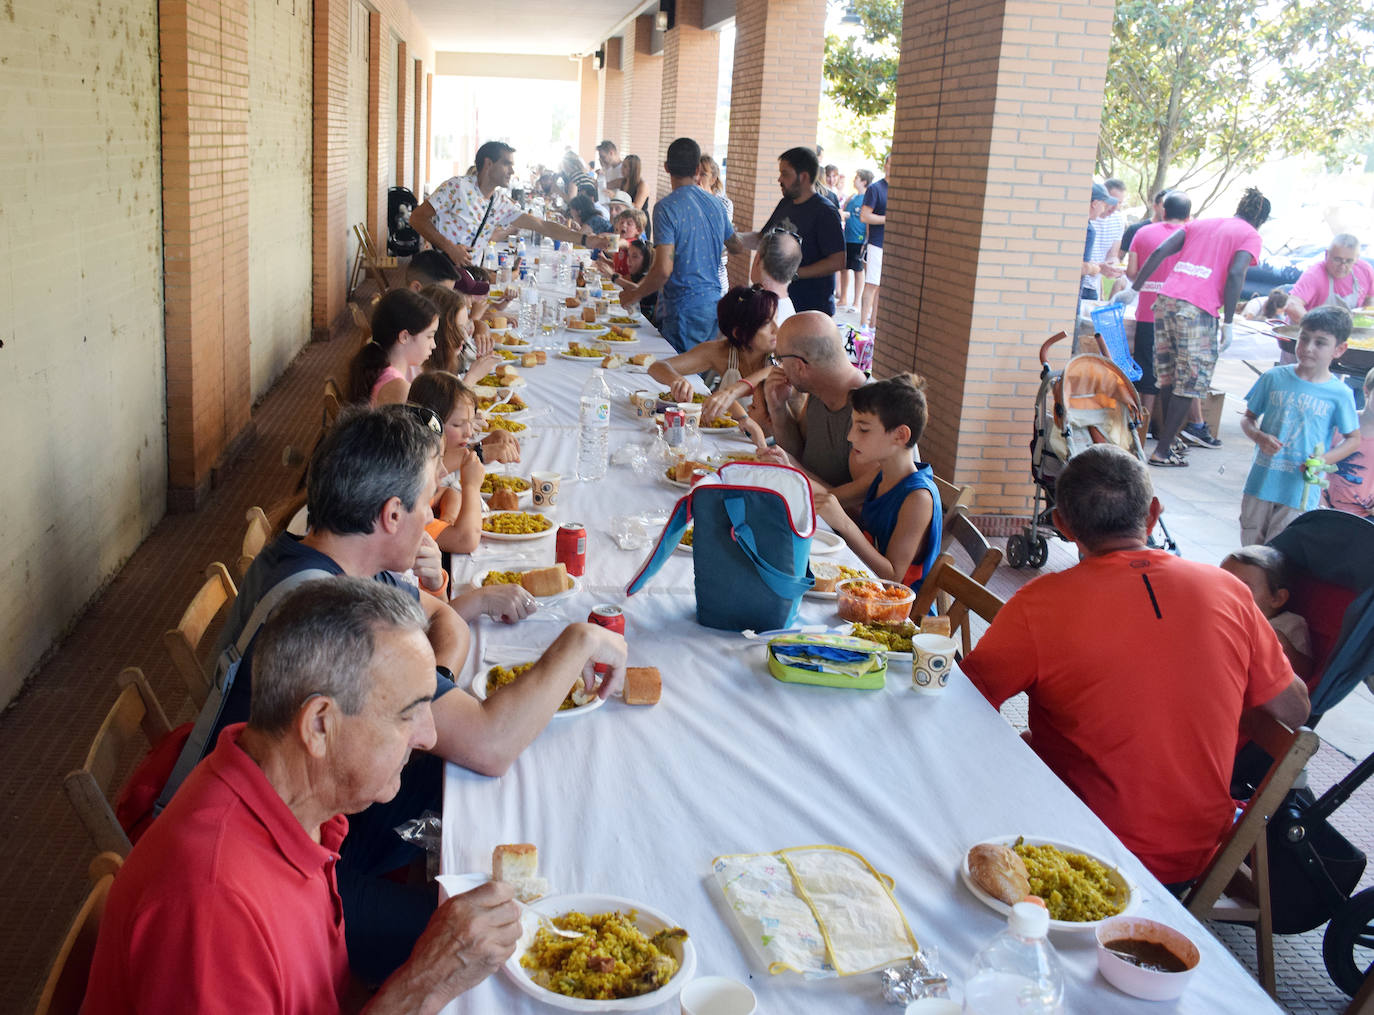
[(890, 654), (635, 322), (1132, 895), (479, 689), (682, 547), (674, 482), (522, 537), (824, 541), (723, 431), (649, 920), (590, 360), (517, 415), (619, 343), (576, 585), (587, 333), (519, 382), (512, 347)]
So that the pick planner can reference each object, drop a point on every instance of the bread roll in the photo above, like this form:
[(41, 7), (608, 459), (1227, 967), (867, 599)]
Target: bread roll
[(570, 301), (497, 321), (504, 500), (998, 871), (546, 581), (642, 359), (643, 685), (518, 865), (935, 625), (827, 575), (529, 359), (613, 361), (540, 356), (589, 314)]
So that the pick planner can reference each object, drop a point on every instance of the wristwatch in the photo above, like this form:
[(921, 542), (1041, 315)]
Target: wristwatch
[(584, 239), (446, 673), (481, 455)]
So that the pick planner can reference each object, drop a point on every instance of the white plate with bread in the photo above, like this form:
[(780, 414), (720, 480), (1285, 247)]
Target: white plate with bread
[(994, 874), (479, 690), (647, 919), (829, 574), (516, 537), (546, 584)]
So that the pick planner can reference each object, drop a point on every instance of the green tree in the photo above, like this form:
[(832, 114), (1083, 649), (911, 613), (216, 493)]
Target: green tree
[(860, 72), (1201, 91)]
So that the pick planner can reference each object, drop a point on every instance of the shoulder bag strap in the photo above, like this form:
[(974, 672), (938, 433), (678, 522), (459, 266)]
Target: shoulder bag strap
[(226, 669), (788, 586), (485, 215)]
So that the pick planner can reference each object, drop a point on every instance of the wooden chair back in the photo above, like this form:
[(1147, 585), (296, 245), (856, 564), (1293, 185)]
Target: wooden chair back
[(333, 402), (361, 322), (1242, 862), (183, 641), (965, 593), (984, 557), (136, 716), (257, 536), (71, 970), (952, 497), (369, 261)]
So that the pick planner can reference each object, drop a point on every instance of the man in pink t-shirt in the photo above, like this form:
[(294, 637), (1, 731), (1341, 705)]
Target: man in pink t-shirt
[(1176, 206), (1202, 288), (1341, 280)]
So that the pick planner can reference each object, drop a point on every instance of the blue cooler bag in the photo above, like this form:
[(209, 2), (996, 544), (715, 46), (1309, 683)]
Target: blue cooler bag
[(751, 545)]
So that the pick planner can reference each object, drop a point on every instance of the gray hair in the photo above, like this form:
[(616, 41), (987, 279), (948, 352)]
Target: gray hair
[(1271, 562), (366, 458), (781, 256), (320, 641), (1102, 493), (1345, 240)]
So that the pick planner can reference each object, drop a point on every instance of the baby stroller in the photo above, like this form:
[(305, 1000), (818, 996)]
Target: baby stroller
[(1091, 401), (401, 240), (1312, 867)]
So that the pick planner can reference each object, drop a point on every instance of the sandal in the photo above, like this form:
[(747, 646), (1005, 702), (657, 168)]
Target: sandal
[(1173, 461)]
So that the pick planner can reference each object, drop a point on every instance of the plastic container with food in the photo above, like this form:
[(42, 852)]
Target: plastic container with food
[(871, 600)]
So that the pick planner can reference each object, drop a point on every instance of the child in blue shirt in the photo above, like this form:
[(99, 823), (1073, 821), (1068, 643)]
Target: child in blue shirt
[(897, 534), (1289, 414)]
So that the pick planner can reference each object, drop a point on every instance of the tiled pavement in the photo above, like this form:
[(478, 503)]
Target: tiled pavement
[(43, 735)]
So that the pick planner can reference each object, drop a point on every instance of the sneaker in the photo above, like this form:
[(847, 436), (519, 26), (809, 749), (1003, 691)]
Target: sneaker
[(1199, 435)]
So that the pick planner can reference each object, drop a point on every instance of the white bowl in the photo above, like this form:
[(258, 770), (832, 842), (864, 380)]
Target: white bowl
[(1147, 984)]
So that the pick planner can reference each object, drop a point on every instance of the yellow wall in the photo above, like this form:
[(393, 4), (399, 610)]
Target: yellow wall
[(82, 402)]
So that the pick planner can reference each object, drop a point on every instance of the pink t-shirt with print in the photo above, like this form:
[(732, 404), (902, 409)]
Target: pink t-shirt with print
[(1143, 244), (1199, 275), (1314, 286)]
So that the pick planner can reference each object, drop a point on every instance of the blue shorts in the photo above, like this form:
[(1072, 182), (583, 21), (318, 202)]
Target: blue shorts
[(688, 323)]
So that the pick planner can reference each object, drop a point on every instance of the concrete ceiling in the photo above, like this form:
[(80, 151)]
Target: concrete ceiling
[(545, 27)]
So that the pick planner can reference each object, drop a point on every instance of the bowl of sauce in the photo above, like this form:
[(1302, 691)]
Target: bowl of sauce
[(1144, 958)]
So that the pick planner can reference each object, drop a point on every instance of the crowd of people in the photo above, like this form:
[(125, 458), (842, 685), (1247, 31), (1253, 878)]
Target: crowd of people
[(343, 644)]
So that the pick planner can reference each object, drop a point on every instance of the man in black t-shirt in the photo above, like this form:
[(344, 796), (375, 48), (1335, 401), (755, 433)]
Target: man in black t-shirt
[(873, 213), (815, 222)]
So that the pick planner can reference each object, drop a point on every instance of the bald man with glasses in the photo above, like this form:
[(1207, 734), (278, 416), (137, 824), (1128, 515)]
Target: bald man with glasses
[(1341, 279)]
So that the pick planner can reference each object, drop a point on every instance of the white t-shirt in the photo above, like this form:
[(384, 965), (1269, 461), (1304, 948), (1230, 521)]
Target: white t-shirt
[(785, 310)]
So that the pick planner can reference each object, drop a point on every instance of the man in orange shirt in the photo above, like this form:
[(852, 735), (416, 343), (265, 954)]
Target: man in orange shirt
[(1138, 665)]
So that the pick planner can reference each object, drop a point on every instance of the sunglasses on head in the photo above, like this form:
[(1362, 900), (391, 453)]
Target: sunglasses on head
[(426, 417), (781, 231)]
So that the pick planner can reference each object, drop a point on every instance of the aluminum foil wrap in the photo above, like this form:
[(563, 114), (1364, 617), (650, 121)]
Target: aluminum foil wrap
[(920, 977)]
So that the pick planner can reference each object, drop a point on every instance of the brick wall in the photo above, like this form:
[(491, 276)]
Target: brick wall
[(404, 100), (81, 342), (774, 102), (279, 192), (639, 126), (385, 168), (587, 87), (417, 128), (610, 92), (690, 67), (992, 157), (204, 67)]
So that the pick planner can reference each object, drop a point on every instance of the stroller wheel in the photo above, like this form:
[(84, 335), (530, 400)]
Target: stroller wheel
[(1016, 550), (1038, 552), (1348, 944)]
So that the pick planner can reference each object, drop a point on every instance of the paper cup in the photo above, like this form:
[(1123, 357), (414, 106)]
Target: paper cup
[(544, 487), (932, 660), (691, 412), (717, 995)]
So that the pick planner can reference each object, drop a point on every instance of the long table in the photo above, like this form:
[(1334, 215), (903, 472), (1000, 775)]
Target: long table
[(635, 802)]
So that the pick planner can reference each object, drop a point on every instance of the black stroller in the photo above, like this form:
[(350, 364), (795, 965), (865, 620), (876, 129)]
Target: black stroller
[(1312, 867), (401, 238), (1091, 401)]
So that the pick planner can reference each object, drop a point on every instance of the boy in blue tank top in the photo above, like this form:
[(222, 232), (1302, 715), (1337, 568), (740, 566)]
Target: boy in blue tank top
[(897, 533)]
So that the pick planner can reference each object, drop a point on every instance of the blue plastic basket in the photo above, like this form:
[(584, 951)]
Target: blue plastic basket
[(1110, 323)]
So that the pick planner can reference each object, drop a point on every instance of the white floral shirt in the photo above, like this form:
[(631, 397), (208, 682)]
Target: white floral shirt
[(459, 207)]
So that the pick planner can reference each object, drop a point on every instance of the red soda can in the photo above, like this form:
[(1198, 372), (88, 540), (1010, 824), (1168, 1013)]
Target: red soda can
[(570, 547), (674, 422), (613, 619)]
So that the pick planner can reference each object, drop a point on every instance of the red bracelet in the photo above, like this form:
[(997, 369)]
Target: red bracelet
[(745, 381)]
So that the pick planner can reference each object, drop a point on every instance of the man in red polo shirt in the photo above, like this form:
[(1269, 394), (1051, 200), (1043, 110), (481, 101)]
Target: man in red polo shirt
[(1138, 665), (229, 902)]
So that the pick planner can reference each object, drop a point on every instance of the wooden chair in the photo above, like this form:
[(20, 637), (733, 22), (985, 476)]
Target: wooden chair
[(966, 595), (183, 641), (367, 262), (1242, 862), (71, 970), (952, 497), (333, 402), (984, 557), (258, 535), (361, 322), (91, 787)]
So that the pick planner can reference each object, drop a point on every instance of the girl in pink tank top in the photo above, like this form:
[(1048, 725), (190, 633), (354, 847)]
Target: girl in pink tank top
[(403, 327)]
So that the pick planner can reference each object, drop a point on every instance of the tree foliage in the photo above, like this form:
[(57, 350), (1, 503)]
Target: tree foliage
[(1202, 91), (860, 72)]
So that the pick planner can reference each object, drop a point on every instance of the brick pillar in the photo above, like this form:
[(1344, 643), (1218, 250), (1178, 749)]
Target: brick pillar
[(429, 128), (587, 105), (774, 102), (610, 94), (991, 161), (374, 118), (402, 125), (417, 128), (204, 82), (329, 172), (639, 129), (691, 63)]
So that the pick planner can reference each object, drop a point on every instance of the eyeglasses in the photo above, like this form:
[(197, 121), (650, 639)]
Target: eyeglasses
[(1342, 261), (426, 416), (774, 359), (782, 231)]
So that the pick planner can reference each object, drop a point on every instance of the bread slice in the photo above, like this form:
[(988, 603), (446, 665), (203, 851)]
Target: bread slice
[(827, 575), (529, 359), (540, 356), (642, 359), (936, 625), (546, 581), (997, 870), (497, 321), (643, 685), (589, 314), (517, 864), (612, 361), (571, 301)]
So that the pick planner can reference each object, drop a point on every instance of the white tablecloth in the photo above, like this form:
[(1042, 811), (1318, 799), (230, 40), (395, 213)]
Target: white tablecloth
[(636, 802)]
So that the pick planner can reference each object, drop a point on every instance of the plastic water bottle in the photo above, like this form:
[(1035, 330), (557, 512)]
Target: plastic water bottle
[(1017, 973), (529, 309), (594, 412), (564, 267)]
